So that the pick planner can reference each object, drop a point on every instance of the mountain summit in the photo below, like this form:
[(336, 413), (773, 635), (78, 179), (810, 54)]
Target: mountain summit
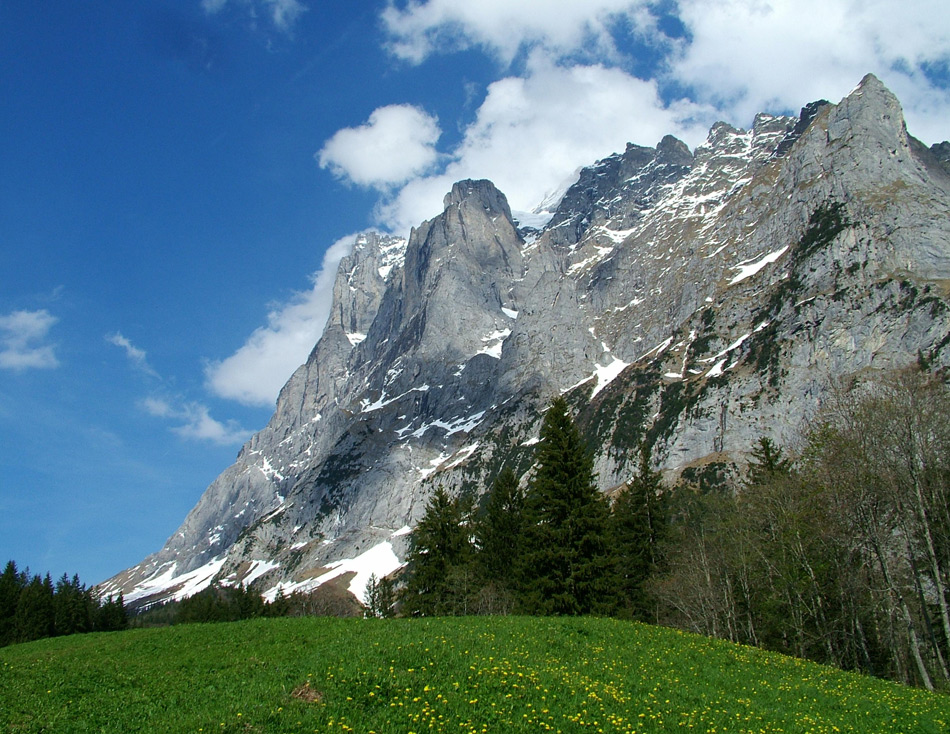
[(692, 300)]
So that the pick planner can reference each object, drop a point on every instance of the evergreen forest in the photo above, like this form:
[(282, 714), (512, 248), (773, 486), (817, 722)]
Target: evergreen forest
[(33, 607)]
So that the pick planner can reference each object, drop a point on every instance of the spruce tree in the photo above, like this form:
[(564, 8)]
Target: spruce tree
[(379, 600), (12, 582), (499, 529), (34, 614), (111, 615), (638, 524), (438, 548), (767, 463), (498, 536), (72, 606), (565, 567)]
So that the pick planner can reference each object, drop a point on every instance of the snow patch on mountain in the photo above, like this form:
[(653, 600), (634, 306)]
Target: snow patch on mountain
[(494, 342), (392, 257), (748, 268), (378, 561), (606, 374), (258, 569), (179, 586)]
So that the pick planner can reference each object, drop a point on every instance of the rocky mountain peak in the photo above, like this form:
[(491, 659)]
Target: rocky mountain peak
[(629, 182), (478, 195), (870, 113), (808, 113), (723, 136), (673, 151), (475, 231)]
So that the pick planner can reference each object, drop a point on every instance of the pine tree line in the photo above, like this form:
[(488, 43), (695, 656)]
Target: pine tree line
[(34, 607)]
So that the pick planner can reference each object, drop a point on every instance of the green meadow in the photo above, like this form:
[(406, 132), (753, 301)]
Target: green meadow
[(476, 674)]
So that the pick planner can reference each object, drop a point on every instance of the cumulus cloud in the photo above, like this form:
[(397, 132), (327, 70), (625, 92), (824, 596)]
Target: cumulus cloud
[(282, 13), (255, 373), (826, 48), (504, 28), (136, 356), (23, 337), (741, 56), (532, 131), (196, 422), (395, 144)]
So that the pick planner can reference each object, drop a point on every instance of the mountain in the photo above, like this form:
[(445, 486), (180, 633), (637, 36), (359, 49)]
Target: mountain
[(694, 300)]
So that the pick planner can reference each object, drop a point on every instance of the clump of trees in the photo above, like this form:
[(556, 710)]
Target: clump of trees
[(842, 555), (33, 607), (838, 552), (556, 546)]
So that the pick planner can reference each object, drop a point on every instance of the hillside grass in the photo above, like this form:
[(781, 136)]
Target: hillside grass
[(481, 674)]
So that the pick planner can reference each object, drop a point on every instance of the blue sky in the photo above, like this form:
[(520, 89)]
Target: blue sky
[(179, 178)]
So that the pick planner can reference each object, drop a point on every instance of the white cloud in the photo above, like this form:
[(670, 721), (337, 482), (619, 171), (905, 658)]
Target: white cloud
[(282, 13), (256, 372), (22, 337), (752, 55), (397, 142), (196, 422), (533, 131), (136, 356), (742, 56), (504, 28)]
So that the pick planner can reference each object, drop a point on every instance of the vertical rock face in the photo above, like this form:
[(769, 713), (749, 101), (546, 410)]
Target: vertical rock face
[(695, 300)]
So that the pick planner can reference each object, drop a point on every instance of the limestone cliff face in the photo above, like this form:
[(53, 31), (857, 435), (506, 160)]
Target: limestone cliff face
[(695, 300)]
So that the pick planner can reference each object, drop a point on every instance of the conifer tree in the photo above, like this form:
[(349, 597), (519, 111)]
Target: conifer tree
[(638, 525), (12, 582), (111, 615), (34, 614), (767, 463), (72, 606), (565, 568), (379, 600), (438, 548), (499, 529)]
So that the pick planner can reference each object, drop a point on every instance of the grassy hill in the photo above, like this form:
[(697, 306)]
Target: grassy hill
[(453, 675)]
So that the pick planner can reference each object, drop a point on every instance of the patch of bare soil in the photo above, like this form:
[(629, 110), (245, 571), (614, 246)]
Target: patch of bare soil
[(304, 692)]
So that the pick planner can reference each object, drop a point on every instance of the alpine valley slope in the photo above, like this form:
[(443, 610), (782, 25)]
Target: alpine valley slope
[(694, 300)]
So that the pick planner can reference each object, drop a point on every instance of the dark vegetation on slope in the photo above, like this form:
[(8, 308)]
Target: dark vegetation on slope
[(33, 607)]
